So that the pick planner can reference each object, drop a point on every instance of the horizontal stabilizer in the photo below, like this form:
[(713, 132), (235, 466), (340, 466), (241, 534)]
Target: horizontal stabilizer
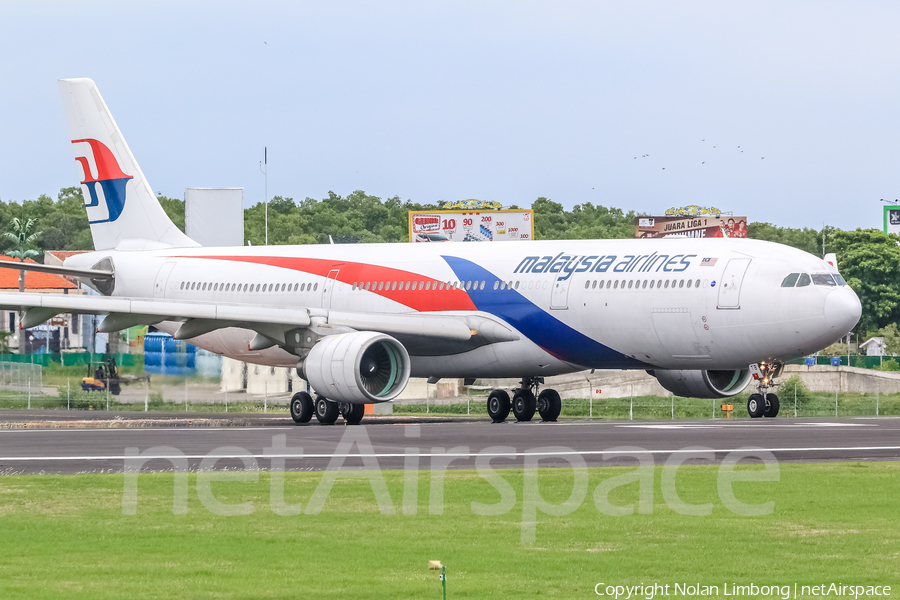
[(57, 270)]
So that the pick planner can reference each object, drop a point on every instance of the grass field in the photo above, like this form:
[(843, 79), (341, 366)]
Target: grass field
[(66, 537)]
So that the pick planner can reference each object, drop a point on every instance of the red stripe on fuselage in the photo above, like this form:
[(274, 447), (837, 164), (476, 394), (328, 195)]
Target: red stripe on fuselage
[(361, 274)]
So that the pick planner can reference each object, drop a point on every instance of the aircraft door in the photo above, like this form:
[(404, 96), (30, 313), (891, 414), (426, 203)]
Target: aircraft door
[(328, 288), (559, 295), (162, 277), (732, 280)]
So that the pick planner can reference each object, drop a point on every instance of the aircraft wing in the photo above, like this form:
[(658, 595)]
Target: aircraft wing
[(272, 322)]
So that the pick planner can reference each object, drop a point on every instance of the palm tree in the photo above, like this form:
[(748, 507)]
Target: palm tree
[(23, 238)]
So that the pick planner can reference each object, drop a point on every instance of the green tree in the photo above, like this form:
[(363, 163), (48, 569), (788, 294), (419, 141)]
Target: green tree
[(584, 221), (174, 208), (870, 262), (64, 223), (803, 239)]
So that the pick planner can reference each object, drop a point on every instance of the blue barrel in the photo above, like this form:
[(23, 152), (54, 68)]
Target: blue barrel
[(810, 361), (164, 355), (835, 361)]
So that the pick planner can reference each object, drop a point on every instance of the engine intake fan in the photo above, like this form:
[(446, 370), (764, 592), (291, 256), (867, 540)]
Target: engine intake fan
[(361, 367)]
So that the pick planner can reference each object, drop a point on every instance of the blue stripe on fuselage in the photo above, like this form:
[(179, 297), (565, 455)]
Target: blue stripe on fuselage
[(545, 330)]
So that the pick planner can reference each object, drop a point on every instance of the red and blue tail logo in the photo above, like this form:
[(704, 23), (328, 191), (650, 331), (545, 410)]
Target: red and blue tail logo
[(110, 178)]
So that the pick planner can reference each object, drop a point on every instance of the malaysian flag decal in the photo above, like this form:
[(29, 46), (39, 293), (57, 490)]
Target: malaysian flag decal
[(708, 262)]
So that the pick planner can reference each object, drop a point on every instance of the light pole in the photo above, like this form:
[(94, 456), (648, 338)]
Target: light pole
[(266, 173)]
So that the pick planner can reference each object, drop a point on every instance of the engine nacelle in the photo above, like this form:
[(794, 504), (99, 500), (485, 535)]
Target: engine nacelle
[(360, 367), (703, 384)]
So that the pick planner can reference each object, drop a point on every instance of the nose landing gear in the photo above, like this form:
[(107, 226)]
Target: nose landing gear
[(764, 403)]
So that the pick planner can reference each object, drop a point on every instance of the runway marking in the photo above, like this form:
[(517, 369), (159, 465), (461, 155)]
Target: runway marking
[(745, 425), (144, 429), (449, 454)]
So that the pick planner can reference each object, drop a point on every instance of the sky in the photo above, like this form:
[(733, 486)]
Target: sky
[(784, 112)]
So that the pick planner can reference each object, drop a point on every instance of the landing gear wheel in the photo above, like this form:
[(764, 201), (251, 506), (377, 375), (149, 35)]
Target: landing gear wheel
[(523, 405), (549, 405), (498, 406), (771, 406), (353, 413), (756, 406), (301, 407), (326, 411)]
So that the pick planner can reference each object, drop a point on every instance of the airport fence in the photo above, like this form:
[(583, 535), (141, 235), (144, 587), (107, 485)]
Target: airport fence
[(801, 404), (796, 402)]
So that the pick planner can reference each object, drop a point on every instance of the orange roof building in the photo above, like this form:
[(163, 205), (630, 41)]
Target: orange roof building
[(34, 282)]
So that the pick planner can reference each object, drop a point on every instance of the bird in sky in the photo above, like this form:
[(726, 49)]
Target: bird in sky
[(703, 163)]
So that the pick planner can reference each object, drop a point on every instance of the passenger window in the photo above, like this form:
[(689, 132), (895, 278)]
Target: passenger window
[(651, 284), (630, 283), (690, 282), (804, 280), (681, 283), (790, 280), (697, 284)]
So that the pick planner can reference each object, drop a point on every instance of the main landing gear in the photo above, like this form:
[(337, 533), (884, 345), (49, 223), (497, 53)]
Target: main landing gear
[(524, 403), (303, 407), (765, 403)]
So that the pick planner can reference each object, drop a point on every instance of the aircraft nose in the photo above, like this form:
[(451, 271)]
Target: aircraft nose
[(842, 309)]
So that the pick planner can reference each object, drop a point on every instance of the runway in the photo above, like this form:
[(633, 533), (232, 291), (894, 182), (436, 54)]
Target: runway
[(388, 443)]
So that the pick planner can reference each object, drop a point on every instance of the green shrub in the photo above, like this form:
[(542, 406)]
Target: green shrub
[(794, 385), (889, 365)]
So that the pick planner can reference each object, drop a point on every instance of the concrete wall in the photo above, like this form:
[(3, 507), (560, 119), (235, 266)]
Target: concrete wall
[(599, 384), (822, 378)]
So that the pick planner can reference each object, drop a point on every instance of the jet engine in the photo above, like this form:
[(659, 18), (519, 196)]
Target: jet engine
[(703, 384), (359, 367)]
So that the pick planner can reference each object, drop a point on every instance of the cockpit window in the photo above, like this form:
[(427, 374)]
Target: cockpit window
[(804, 280), (790, 280), (822, 279), (840, 280)]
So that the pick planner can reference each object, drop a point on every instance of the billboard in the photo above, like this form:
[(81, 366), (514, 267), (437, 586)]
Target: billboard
[(700, 226), (892, 219), (471, 226), (214, 216)]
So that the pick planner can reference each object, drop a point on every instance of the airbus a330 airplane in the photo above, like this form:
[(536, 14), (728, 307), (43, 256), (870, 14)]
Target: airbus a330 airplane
[(358, 320)]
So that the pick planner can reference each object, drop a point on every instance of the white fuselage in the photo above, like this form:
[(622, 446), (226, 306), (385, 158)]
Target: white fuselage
[(643, 304)]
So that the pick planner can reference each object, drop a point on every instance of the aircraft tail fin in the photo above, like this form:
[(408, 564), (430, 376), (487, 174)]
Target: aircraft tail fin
[(120, 203)]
